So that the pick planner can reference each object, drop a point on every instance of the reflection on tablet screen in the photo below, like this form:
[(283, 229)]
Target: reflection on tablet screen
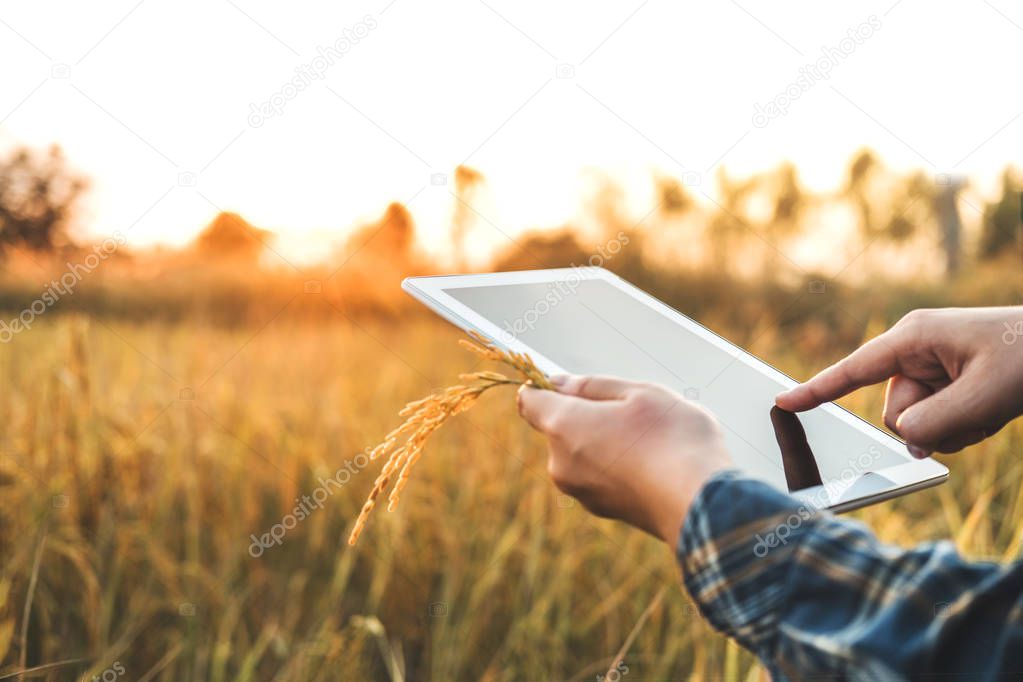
[(589, 326)]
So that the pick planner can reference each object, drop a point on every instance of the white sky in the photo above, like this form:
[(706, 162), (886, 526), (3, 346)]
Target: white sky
[(139, 93)]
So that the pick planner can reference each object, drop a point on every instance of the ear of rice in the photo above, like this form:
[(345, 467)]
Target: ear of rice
[(424, 416)]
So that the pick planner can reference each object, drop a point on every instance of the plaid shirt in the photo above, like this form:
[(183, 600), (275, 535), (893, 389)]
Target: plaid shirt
[(815, 596)]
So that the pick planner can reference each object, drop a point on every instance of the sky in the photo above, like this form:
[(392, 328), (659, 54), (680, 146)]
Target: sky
[(308, 118)]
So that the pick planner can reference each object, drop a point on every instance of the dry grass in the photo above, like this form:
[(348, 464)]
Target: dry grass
[(426, 415), (139, 500)]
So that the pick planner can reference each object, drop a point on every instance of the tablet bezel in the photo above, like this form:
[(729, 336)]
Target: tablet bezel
[(841, 495)]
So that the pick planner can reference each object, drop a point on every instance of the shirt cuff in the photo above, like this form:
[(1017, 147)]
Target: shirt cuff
[(734, 550)]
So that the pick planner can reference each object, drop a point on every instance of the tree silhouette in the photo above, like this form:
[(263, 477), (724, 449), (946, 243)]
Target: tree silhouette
[(856, 189), (946, 211), (1002, 220), (542, 249), (37, 196), (788, 202), (729, 223), (672, 196), (468, 182), (387, 241), (229, 236), (892, 208)]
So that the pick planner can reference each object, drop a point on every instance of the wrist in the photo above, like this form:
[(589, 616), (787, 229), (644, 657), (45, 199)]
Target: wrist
[(675, 498)]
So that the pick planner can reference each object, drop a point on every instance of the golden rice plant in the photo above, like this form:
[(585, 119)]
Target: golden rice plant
[(426, 415)]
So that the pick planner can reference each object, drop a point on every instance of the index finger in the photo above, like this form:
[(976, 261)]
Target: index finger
[(595, 387), (873, 362)]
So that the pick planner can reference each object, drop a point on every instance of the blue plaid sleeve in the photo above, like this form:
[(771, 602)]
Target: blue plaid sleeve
[(814, 595)]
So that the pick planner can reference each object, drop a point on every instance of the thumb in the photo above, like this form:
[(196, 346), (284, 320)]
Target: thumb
[(538, 406), (962, 407)]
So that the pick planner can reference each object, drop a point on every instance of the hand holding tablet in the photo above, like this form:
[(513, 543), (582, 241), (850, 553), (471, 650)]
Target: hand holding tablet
[(587, 321), (626, 450)]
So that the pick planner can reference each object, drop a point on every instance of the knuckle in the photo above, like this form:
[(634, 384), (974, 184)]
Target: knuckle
[(580, 385), (554, 422), (561, 476), (912, 329), (843, 371), (650, 389), (915, 320), (913, 316), (640, 404)]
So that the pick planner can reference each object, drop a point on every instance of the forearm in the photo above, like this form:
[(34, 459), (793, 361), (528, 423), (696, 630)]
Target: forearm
[(815, 595)]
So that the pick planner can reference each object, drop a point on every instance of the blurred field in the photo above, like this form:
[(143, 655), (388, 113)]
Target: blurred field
[(176, 403), (139, 457)]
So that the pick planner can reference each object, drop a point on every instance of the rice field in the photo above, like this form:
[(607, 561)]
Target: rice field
[(176, 499)]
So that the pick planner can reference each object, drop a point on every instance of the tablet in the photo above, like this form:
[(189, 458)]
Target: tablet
[(590, 321)]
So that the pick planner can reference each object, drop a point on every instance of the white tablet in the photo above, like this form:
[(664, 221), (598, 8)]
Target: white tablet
[(590, 321)]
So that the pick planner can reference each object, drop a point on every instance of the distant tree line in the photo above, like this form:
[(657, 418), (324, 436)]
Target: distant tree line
[(39, 194)]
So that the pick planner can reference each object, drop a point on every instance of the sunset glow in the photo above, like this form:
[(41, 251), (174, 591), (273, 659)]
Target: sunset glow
[(154, 103)]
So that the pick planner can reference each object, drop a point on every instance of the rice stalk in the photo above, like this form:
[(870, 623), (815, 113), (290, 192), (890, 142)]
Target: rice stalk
[(424, 416)]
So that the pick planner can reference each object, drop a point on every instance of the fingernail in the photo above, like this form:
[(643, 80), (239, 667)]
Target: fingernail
[(559, 380), (919, 453)]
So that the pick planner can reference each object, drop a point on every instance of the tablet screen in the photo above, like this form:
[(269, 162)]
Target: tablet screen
[(590, 326)]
